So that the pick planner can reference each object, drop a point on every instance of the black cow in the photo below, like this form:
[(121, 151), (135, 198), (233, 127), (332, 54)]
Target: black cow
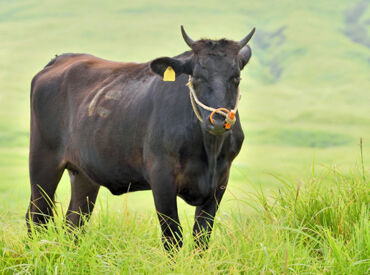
[(119, 125)]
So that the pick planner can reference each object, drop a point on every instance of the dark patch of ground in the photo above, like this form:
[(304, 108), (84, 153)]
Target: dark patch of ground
[(270, 42), (356, 25)]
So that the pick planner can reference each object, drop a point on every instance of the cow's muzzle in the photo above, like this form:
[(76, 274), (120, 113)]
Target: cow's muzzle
[(229, 117), (220, 124)]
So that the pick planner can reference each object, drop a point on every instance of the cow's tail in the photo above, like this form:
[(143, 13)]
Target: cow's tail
[(52, 61)]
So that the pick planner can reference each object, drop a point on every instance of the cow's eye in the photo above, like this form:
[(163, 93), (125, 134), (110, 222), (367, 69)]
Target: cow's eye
[(236, 79)]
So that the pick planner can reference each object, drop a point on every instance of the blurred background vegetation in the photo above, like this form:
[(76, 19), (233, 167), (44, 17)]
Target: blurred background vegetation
[(305, 93)]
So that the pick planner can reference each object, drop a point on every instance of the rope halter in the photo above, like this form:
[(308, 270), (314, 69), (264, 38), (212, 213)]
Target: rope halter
[(230, 118)]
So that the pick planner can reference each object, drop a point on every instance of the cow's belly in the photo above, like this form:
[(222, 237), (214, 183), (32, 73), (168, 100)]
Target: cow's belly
[(118, 178), (108, 157), (121, 184), (125, 186)]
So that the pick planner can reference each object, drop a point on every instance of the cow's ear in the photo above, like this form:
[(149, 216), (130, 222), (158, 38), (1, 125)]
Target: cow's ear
[(244, 55), (179, 66)]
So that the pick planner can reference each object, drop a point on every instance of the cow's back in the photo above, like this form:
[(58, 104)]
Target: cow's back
[(67, 83)]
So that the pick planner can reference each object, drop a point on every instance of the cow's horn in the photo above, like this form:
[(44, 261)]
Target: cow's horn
[(246, 39), (187, 39)]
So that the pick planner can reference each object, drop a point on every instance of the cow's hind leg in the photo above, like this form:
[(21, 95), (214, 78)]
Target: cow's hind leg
[(46, 169), (83, 197)]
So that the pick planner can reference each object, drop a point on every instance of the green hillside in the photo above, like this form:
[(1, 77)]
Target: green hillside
[(305, 93), (305, 105)]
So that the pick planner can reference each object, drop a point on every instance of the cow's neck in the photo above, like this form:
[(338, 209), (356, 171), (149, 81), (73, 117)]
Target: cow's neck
[(213, 145)]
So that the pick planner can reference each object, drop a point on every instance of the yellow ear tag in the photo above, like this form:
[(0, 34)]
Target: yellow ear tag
[(169, 74)]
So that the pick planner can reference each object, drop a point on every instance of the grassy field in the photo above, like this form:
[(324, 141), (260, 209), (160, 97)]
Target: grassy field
[(299, 231), (305, 105)]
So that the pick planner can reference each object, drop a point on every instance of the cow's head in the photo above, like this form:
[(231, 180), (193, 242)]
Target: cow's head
[(214, 67)]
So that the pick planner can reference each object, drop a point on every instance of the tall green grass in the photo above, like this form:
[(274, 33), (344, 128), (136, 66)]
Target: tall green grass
[(330, 212), (319, 225)]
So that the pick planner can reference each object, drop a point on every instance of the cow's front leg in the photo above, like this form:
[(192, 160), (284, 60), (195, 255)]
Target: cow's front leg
[(164, 193), (204, 218)]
